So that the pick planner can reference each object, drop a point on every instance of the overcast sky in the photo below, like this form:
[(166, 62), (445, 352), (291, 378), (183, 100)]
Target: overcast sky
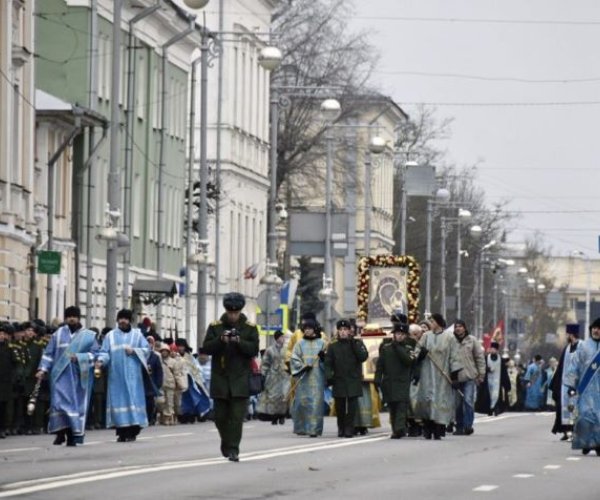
[(541, 158)]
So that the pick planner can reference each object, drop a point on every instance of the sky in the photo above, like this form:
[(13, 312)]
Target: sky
[(521, 79)]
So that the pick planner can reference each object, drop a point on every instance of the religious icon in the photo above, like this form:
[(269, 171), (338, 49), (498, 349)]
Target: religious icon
[(387, 294)]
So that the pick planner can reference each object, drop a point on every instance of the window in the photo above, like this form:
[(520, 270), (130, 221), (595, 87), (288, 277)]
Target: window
[(142, 83)]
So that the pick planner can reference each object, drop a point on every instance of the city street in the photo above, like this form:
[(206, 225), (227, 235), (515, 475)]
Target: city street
[(513, 455)]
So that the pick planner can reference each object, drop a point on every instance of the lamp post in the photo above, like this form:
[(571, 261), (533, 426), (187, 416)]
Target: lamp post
[(475, 232), (588, 286), (376, 146), (482, 284), (442, 195), (403, 206), (462, 215), (330, 109)]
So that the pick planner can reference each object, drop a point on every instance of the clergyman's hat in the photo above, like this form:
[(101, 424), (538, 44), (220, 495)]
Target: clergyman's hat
[(573, 329)]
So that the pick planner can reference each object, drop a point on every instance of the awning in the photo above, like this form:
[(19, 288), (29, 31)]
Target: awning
[(153, 291)]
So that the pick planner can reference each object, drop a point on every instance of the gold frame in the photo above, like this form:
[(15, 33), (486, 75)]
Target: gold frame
[(372, 343), (412, 282)]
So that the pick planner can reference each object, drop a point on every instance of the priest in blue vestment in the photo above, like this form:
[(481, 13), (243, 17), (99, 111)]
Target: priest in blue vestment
[(535, 380), (583, 382), (125, 352), (69, 359)]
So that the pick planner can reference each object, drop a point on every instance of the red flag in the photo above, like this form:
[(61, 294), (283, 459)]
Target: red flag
[(497, 335), (251, 272)]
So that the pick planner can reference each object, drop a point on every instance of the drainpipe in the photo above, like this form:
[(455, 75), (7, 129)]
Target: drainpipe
[(93, 100)]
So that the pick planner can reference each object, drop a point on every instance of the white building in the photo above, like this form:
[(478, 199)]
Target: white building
[(238, 225)]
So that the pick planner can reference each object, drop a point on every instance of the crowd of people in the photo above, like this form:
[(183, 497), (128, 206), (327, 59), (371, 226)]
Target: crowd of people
[(431, 378)]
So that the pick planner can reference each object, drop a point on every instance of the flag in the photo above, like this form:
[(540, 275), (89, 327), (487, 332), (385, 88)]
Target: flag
[(497, 335), (251, 272)]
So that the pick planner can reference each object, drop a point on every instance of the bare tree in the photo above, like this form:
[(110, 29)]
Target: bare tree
[(321, 58)]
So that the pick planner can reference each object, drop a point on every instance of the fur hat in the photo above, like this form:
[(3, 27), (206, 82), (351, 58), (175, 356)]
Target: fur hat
[(234, 301), (439, 319), (125, 314), (400, 328), (343, 323), (72, 312)]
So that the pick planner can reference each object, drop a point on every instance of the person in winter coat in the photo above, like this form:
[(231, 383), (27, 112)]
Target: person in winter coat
[(393, 376), (343, 371)]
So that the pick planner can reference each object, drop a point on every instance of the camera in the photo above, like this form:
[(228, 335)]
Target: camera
[(231, 333)]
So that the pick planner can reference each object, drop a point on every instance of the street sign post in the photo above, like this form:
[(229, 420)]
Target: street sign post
[(48, 262)]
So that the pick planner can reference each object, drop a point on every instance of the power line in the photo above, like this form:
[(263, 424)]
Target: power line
[(499, 104), (457, 20), (491, 78)]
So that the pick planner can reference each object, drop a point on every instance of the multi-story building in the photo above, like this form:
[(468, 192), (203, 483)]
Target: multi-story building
[(74, 64), (238, 150), (17, 122)]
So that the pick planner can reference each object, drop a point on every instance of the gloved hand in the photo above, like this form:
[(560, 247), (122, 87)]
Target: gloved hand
[(307, 368), (454, 375), (423, 354), (321, 355), (415, 380)]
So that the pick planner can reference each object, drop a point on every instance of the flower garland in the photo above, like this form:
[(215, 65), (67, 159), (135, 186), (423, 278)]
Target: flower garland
[(412, 282)]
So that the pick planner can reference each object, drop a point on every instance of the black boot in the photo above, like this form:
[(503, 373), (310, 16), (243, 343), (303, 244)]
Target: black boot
[(427, 429), (438, 431), (61, 437)]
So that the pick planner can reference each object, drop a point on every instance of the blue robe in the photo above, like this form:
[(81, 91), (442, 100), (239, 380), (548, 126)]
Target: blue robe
[(307, 408), (125, 400), (534, 399), (582, 375), (195, 400), (70, 382)]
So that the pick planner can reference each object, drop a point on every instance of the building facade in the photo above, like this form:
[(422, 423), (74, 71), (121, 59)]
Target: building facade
[(17, 122), (74, 63)]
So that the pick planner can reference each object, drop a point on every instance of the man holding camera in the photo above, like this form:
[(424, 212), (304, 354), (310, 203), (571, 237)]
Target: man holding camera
[(343, 369), (232, 342)]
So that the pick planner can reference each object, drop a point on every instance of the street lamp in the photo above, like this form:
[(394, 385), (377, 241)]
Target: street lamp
[(196, 4), (404, 205), (330, 110), (376, 146), (588, 286), (481, 280), (442, 195), (462, 215)]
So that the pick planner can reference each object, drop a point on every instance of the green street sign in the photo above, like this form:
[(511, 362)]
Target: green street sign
[(49, 262)]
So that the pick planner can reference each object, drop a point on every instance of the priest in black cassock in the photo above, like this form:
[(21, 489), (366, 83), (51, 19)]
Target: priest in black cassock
[(564, 418)]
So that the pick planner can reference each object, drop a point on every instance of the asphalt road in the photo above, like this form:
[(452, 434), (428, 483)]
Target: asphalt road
[(510, 456)]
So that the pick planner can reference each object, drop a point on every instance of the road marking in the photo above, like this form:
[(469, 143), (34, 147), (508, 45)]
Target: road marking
[(162, 436), (574, 459), (486, 487), (44, 484), (15, 450), (523, 476), (552, 467)]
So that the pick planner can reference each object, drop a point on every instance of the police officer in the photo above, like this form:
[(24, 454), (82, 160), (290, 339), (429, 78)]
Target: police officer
[(232, 342)]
